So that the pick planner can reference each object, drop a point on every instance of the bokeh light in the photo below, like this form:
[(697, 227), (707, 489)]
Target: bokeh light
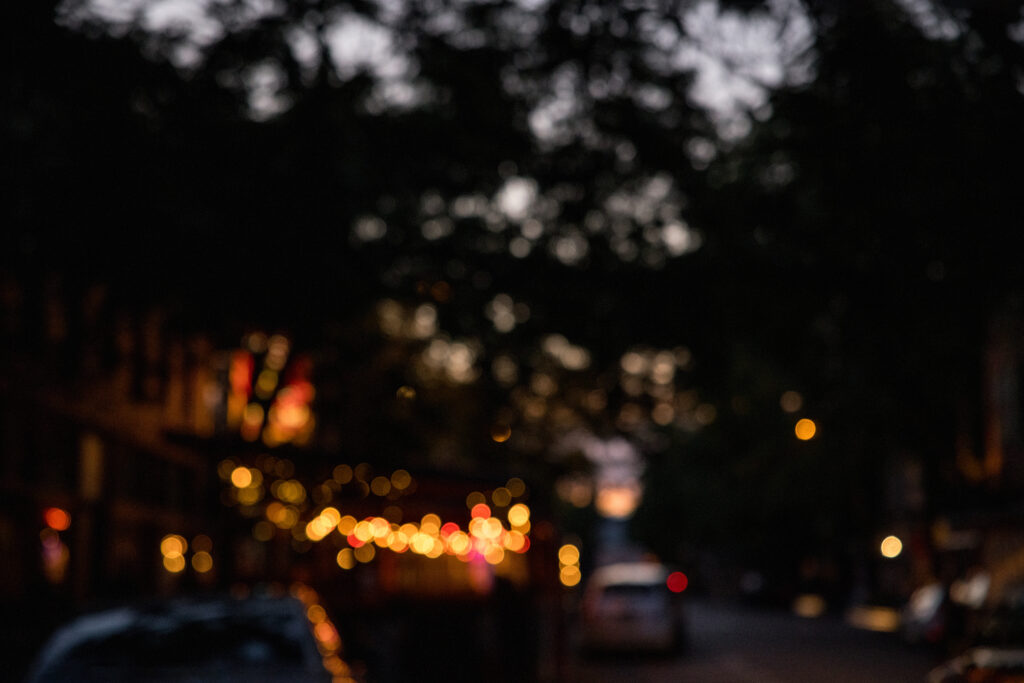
[(343, 474), (174, 563), (518, 514), (400, 480), (346, 558), (569, 554), (173, 545), (618, 502), (805, 429), (570, 576), (791, 401), (677, 582), (500, 433), (365, 553), (202, 562), (241, 477), (57, 519), (381, 486), (891, 547), (501, 496)]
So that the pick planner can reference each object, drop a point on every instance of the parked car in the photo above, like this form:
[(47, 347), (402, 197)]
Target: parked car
[(997, 652), (222, 639), (629, 607)]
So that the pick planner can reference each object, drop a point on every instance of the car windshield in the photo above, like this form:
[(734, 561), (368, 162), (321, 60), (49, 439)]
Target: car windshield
[(632, 590)]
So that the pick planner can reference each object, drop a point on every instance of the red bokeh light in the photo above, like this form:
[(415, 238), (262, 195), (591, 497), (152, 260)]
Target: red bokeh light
[(56, 519), (677, 582)]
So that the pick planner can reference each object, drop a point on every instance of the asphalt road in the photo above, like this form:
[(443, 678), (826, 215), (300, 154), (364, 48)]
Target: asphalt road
[(735, 645)]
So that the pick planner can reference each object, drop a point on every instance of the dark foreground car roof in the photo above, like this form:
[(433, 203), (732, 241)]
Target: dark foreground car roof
[(221, 639)]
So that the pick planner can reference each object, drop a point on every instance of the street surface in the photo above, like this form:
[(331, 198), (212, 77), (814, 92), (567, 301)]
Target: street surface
[(735, 645)]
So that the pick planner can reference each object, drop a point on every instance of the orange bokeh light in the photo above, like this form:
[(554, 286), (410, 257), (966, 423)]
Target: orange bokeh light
[(57, 519), (805, 429)]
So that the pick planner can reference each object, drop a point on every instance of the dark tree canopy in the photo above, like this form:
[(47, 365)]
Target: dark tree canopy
[(816, 197)]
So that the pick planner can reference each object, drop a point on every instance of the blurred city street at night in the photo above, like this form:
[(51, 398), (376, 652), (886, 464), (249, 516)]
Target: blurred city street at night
[(512, 340)]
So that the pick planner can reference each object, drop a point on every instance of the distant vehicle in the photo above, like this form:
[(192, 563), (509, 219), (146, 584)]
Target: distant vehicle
[(629, 607), (997, 654), (982, 665), (222, 640), (923, 618)]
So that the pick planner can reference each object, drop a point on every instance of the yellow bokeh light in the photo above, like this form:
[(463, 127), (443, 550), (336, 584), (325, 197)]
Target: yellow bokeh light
[(494, 554), (516, 487), (346, 558), (365, 553), (250, 495), (476, 527), (492, 527), (398, 542), (500, 433), (346, 525), (430, 524), (332, 515), (275, 512), (241, 477), (253, 414), (343, 474), (518, 515), (363, 531), (501, 496), (436, 550), (173, 545), (317, 528), (381, 527), (289, 518), (381, 486), (805, 429), (266, 382), (202, 562), (316, 614), (459, 542), (474, 499), (569, 554), (421, 543), (515, 541), (570, 575), (174, 563), (891, 547), (400, 479), (617, 502)]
